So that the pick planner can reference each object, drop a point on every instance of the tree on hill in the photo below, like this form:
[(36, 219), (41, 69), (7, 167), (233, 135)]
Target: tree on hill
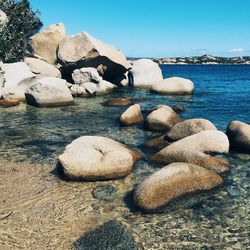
[(23, 22)]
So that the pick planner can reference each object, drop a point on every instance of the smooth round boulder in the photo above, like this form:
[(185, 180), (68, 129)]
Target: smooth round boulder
[(144, 73), (49, 92), (131, 116), (187, 128), (161, 118), (195, 149), (42, 68), (97, 158), (172, 182), (239, 136), (174, 86)]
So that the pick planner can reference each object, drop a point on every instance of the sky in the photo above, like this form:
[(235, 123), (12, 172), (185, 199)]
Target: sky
[(157, 28)]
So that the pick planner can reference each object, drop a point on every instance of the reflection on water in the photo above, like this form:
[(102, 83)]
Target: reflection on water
[(65, 210)]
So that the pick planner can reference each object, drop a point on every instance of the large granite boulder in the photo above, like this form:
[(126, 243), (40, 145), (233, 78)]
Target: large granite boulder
[(3, 19), (239, 136), (15, 80), (42, 68), (45, 44), (161, 118), (196, 149), (49, 92), (131, 116), (180, 131), (174, 86), (83, 50), (144, 73), (172, 182), (97, 158), (110, 236)]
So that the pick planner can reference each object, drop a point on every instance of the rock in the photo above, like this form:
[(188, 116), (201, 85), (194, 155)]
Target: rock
[(83, 50), (162, 118), (110, 236), (144, 73), (187, 128), (121, 80), (105, 192), (6, 103), (122, 101), (178, 109), (83, 75), (173, 182), (49, 92), (42, 68), (239, 136), (17, 79), (45, 44), (156, 143), (132, 116), (97, 158), (92, 89), (3, 19), (195, 149), (174, 86)]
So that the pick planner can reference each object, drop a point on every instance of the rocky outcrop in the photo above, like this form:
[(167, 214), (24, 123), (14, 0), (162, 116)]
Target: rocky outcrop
[(83, 50), (132, 116), (239, 136), (16, 79), (174, 86), (42, 68), (110, 236), (161, 118), (97, 158), (89, 83), (172, 182), (144, 73), (195, 149), (45, 44), (49, 92)]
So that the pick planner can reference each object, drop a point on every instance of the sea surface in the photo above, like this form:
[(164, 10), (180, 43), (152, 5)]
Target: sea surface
[(38, 135)]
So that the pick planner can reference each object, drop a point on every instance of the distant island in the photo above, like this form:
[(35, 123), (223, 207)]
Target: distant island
[(204, 59)]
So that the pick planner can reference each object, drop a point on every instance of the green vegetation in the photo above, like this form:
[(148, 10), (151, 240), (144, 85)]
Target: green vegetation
[(23, 23)]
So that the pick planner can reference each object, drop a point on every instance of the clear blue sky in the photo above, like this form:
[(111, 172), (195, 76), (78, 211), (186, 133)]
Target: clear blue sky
[(157, 28)]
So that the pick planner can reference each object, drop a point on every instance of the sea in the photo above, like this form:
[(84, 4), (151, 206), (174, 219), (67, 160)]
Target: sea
[(220, 220)]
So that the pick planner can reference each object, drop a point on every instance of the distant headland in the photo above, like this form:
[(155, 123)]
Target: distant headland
[(204, 59)]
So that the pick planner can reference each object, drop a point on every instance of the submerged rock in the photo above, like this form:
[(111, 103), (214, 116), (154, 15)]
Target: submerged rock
[(17, 78), (122, 101), (45, 44), (144, 73), (83, 50), (156, 143), (97, 158), (8, 103), (105, 192), (195, 149), (174, 86), (132, 116), (172, 182), (161, 118), (49, 92), (178, 109), (110, 236), (239, 136), (42, 68)]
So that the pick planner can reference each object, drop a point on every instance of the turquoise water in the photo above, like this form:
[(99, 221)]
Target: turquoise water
[(37, 135)]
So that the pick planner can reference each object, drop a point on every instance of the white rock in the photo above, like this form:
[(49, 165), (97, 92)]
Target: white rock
[(97, 158), (145, 73), (49, 92), (83, 75), (174, 86), (132, 115)]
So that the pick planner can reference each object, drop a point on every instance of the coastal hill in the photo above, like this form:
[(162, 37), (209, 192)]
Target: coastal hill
[(204, 59)]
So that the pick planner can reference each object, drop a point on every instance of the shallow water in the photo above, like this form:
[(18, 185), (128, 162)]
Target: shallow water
[(46, 208)]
